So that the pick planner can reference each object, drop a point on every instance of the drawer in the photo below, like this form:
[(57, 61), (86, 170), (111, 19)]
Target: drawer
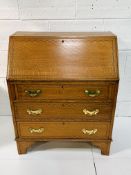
[(63, 111), (87, 130), (87, 91)]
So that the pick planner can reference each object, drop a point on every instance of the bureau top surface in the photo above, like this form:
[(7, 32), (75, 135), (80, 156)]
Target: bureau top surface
[(64, 34), (79, 56)]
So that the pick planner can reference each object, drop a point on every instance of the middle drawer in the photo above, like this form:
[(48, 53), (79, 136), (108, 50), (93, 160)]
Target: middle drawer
[(68, 111)]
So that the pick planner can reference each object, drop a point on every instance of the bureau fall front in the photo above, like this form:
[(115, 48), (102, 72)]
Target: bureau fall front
[(63, 86)]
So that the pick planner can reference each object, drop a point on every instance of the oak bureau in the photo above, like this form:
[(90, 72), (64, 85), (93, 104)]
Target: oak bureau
[(63, 86)]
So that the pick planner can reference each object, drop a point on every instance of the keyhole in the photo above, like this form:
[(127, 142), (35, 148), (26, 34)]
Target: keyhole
[(63, 105), (62, 41)]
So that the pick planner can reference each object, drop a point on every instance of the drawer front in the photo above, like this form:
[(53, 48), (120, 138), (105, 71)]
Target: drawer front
[(63, 111), (87, 130), (88, 91)]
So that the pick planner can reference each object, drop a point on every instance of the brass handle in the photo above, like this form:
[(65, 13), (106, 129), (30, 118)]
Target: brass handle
[(33, 93), (92, 93), (33, 130), (34, 112), (90, 113), (89, 132)]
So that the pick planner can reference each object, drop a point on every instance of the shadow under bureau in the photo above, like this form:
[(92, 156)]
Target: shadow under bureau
[(63, 86)]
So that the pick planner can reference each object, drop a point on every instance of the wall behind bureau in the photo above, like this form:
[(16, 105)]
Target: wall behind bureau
[(69, 15)]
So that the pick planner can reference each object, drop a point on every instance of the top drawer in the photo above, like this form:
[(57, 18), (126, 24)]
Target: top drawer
[(86, 91)]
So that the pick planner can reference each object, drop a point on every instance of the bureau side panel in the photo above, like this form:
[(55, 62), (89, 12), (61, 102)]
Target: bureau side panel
[(12, 96)]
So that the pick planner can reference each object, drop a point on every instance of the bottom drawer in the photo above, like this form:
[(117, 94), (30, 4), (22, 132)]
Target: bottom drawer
[(81, 130)]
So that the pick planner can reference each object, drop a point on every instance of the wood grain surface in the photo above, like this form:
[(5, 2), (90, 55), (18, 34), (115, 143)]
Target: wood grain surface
[(49, 77), (64, 130), (49, 58), (63, 111), (66, 91)]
